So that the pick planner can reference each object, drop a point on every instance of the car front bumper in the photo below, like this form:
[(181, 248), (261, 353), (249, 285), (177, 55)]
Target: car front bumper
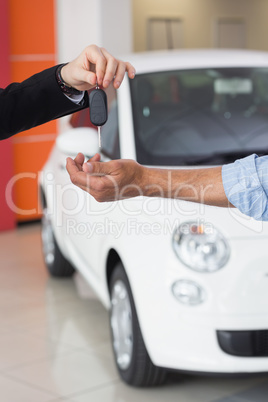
[(185, 337), (191, 346)]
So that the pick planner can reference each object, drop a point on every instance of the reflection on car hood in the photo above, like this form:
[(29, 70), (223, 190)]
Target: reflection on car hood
[(169, 213)]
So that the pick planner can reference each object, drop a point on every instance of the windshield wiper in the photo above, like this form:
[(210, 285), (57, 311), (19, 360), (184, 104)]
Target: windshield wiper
[(223, 157)]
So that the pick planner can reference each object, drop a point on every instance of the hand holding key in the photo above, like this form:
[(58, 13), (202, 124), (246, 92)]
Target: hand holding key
[(98, 109), (95, 62)]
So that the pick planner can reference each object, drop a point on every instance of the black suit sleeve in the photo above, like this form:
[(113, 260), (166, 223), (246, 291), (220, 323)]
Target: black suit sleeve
[(33, 102)]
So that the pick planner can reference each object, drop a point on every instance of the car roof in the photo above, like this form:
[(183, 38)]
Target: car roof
[(154, 61)]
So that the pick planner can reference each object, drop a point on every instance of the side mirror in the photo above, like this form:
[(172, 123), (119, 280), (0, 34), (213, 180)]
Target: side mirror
[(82, 139)]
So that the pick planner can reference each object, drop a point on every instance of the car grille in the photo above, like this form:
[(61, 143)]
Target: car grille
[(244, 343)]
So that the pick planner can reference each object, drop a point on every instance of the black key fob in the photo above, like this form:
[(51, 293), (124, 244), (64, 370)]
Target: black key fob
[(98, 107)]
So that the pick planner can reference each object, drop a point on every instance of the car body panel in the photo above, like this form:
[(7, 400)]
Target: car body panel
[(140, 231)]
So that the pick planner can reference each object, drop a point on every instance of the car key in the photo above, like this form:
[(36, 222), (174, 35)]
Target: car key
[(98, 109)]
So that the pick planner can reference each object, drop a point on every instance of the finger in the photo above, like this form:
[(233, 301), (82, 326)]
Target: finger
[(120, 73), (97, 168), (93, 62), (100, 62), (111, 68), (85, 78), (95, 158), (71, 166), (79, 159), (86, 63), (130, 70)]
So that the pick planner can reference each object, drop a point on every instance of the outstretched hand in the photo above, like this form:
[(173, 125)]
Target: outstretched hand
[(93, 65), (125, 178), (106, 181)]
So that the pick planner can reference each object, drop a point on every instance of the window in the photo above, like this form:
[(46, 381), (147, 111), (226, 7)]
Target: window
[(202, 116), (230, 33), (164, 33), (110, 130)]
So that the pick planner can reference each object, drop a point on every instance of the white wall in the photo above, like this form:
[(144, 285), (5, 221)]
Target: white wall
[(199, 18), (116, 26), (106, 23)]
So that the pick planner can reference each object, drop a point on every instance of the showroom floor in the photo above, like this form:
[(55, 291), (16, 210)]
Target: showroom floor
[(55, 341)]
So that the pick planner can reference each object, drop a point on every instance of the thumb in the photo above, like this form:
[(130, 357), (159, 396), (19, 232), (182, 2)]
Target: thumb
[(88, 76), (96, 168)]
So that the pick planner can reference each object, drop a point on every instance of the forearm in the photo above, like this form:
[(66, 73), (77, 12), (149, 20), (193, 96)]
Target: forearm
[(41, 98), (33, 102), (120, 179), (195, 185)]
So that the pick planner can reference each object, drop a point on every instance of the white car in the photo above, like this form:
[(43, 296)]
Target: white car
[(186, 284)]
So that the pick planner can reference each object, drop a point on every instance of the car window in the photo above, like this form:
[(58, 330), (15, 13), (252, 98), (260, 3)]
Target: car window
[(201, 116), (110, 130)]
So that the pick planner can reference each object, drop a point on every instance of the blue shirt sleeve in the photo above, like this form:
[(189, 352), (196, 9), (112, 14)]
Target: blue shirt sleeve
[(245, 184)]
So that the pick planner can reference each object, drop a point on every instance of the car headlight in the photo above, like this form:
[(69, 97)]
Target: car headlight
[(200, 247), (188, 292)]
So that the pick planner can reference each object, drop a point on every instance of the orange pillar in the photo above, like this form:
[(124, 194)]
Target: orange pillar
[(32, 49), (7, 218)]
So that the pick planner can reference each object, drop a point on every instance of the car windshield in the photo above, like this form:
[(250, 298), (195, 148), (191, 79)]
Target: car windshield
[(202, 116)]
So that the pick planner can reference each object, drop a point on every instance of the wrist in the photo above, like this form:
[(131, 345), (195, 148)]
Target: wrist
[(65, 87), (64, 73), (141, 178)]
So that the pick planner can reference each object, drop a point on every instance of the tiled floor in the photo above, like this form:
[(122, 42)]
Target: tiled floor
[(55, 341)]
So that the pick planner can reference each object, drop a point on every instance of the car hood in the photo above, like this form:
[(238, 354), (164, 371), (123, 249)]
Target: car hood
[(169, 213)]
